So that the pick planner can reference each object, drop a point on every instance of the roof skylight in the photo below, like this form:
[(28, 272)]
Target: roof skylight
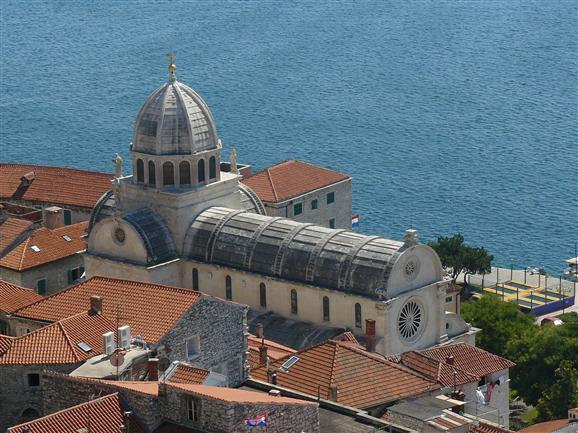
[(289, 363), (67, 238), (35, 248)]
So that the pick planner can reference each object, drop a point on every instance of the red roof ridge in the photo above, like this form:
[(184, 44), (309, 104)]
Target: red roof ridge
[(333, 364), (53, 414), (63, 329), (271, 183)]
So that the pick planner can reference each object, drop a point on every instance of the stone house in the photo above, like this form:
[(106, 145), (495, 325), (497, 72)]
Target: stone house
[(166, 407), (12, 298), (39, 187), (304, 193), (47, 259)]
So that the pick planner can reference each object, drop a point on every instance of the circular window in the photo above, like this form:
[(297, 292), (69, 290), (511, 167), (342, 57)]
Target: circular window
[(119, 235), (411, 268), (410, 320)]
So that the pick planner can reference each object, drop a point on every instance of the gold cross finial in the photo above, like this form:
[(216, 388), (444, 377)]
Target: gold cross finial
[(172, 66)]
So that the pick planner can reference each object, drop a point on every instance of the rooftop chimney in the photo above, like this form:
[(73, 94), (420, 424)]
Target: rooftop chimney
[(153, 369), (95, 304), (263, 355), (259, 330), (53, 217), (27, 179), (370, 335), (333, 393), (272, 377), (450, 359)]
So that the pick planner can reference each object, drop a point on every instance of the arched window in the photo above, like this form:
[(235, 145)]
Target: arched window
[(152, 174), (185, 173), (201, 170), (139, 171), (228, 288), (29, 414), (168, 173), (293, 301), (262, 295), (212, 168), (195, 279), (358, 315), (326, 308)]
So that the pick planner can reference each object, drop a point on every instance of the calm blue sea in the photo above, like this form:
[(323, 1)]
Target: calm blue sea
[(452, 116)]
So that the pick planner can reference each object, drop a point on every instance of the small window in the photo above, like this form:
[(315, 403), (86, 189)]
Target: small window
[(326, 308), (35, 248), (33, 379), (184, 173), (298, 209), (139, 171), (41, 286), (29, 414), (73, 275), (193, 409), (358, 315), (201, 170), (314, 204), (330, 197), (293, 301), (262, 295), (168, 173), (152, 174), (449, 299), (67, 238), (67, 217), (332, 223), (228, 288), (193, 347), (212, 167), (195, 279)]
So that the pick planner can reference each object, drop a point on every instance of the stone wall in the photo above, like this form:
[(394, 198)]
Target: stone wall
[(219, 416), (221, 328), (61, 392), (16, 395)]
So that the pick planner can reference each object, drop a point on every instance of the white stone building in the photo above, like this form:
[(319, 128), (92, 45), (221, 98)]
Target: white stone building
[(179, 220)]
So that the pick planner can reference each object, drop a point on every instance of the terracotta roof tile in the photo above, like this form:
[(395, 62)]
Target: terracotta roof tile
[(289, 179), (274, 350), (470, 359), (362, 379), (137, 303), (436, 370), (233, 395), (543, 427), (5, 343), (57, 185), (13, 297), (488, 428), (58, 343), (106, 416), (50, 245), (185, 373), (11, 230)]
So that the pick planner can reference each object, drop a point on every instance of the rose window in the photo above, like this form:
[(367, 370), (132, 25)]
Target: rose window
[(410, 320)]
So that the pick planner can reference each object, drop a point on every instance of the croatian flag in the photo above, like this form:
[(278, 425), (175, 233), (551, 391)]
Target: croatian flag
[(260, 421), (355, 221)]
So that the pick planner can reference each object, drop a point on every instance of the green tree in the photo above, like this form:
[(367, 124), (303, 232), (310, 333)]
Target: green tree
[(458, 258), (500, 322), (561, 395)]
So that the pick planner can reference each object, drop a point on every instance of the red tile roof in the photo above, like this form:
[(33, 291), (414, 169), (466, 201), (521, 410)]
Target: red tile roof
[(185, 373), (54, 185), (105, 413), (436, 370), (233, 395), (13, 297), (5, 343), (51, 244), (543, 427), (363, 379), (274, 350), (289, 179), (470, 359), (58, 342), (142, 305), (11, 230)]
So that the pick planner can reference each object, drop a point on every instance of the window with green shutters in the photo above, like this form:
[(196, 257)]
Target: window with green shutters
[(332, 223), (297, 208), (330, 197), (314, 204), (67, 217), (41, 286)]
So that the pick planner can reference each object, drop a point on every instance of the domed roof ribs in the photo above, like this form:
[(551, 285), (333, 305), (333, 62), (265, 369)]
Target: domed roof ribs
[(143, 109), (205, 109), (159, 136), (215, 233), (315, 253), (253, 242), (189, 123), (345, 271), (280, 257)]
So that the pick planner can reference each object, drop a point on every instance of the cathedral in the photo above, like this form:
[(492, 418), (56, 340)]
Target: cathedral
[(180, 220)]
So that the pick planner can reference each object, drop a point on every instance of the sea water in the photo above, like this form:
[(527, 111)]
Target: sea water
[(451, 116)]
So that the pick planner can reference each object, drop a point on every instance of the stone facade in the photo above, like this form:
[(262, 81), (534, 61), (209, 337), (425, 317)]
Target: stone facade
[(220, 328), (340, 210), (55, 273)]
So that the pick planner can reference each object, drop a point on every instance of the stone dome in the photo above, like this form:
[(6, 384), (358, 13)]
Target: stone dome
[(174, 120)]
